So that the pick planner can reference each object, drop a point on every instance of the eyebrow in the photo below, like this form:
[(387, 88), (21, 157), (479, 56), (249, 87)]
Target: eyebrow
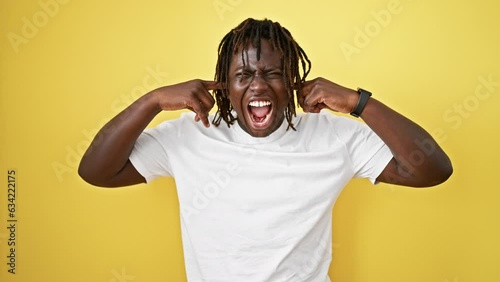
[(265, 69)]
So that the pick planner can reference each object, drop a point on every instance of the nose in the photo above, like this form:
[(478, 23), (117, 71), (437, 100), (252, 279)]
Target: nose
[(258, 84)]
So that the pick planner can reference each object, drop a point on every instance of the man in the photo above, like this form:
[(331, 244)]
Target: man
[(256, 194)]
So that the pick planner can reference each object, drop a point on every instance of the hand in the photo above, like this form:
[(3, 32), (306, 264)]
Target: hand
[(321, 93), (193, 95)]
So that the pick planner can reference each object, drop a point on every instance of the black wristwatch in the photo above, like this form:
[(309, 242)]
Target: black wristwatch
[(363, 99)]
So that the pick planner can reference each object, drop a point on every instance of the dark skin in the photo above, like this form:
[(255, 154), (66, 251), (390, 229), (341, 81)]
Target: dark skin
[(398, 132), (258, 80), (106, 162)]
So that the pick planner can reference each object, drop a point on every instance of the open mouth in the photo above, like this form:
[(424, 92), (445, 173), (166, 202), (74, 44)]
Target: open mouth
[(260, 113)]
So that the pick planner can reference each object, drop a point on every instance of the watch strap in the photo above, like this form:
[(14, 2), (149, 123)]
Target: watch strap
[(363, 99)]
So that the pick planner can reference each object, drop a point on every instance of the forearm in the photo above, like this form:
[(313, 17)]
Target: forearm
[(420, 160), (109, 151)]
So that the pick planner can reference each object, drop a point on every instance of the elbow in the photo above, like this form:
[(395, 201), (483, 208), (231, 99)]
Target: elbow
[(446, 169), (85, 174), (444, 174), (88, 175), (441, 173), (430, 175)]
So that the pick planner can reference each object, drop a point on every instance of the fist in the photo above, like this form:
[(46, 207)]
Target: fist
[(193, 95), (321, 93)]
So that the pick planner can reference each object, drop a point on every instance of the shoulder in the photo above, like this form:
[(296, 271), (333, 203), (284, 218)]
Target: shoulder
[(175, 127), (186, 128), (186, 120), (330, 126), (326, 119)]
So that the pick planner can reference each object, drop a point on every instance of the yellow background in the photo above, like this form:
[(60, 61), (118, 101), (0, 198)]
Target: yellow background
[(83, 61)]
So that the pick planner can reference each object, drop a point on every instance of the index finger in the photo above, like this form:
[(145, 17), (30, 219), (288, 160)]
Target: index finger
[(211, 85), (302, 92), (306, 85)]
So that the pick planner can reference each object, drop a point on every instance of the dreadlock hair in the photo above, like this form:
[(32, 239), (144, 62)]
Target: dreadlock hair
[(251, 31)]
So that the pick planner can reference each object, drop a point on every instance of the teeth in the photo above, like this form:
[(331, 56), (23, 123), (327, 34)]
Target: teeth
[(259, 103)]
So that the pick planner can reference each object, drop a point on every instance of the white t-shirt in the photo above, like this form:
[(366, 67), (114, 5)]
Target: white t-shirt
[(259, 209)]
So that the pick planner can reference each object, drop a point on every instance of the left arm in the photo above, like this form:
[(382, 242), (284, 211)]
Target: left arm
[(418, 160)]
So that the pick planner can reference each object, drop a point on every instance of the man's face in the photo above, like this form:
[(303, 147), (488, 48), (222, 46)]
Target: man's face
[(257, 90)]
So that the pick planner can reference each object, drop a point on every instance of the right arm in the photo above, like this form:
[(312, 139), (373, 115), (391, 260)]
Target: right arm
[(106, 162)]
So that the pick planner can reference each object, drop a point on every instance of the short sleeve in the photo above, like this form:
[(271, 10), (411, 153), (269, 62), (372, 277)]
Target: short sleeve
[(369, 155), (149, 155)]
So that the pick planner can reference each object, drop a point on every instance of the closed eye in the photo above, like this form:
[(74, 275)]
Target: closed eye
[(274, 74), (243, 74)]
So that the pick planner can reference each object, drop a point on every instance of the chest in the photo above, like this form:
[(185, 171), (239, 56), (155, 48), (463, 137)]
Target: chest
[(259, 176)]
